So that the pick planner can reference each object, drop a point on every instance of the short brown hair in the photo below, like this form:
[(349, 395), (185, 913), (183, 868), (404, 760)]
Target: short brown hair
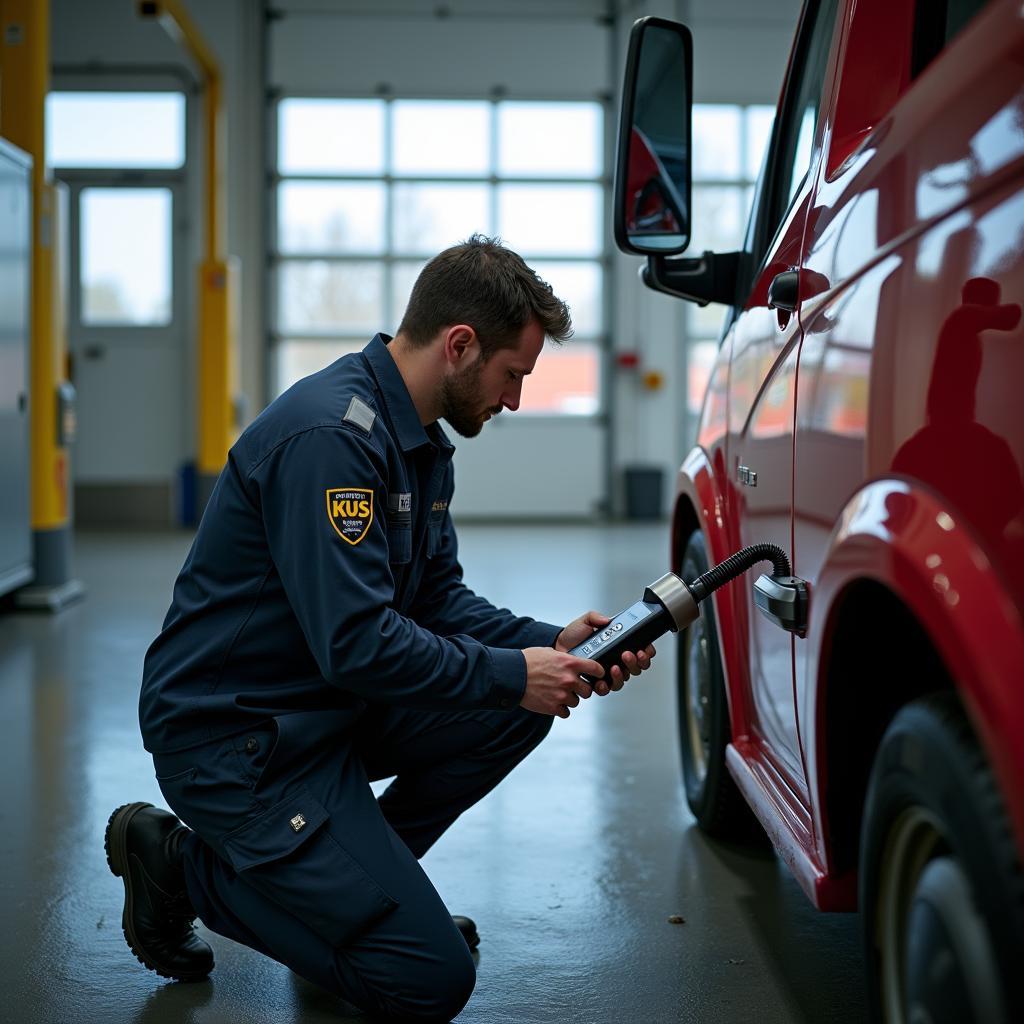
[(481, 283)]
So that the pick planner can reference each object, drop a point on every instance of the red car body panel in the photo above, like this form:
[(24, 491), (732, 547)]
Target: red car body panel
[(891, 532), (884, 419)]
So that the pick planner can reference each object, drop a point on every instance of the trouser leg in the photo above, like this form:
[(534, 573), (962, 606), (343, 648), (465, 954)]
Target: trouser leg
[(341, 900), (443, 762), (411, 965)]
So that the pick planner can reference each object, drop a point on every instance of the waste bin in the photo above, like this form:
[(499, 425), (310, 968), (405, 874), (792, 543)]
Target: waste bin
[(644, 492)]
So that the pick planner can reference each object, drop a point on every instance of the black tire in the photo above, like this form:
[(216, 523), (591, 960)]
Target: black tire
[(703, 716), (941, 889)]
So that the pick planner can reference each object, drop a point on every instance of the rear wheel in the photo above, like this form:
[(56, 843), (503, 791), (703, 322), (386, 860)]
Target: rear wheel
[(703, 712), (941, 890)]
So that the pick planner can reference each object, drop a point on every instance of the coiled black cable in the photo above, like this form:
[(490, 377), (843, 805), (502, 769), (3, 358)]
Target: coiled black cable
[(738, 563)]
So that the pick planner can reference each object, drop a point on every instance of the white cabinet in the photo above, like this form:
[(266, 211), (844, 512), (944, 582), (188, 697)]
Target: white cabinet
[(15, 284)]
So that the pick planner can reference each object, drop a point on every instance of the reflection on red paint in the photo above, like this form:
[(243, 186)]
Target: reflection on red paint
[(953, 452)]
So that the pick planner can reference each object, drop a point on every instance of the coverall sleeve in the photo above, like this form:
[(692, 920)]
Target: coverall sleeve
[(341, 588), (446, 606)]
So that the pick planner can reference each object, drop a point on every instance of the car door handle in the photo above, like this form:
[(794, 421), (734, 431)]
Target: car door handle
[(784, 291)]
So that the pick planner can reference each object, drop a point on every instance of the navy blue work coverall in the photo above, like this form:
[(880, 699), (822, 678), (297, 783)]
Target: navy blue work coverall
[(320, 637)]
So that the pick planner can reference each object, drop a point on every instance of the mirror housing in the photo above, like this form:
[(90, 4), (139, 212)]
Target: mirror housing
[(652, 166), (711, 277)]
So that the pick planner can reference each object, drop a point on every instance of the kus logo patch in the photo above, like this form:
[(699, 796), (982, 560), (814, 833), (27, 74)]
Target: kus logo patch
[(350, 511)]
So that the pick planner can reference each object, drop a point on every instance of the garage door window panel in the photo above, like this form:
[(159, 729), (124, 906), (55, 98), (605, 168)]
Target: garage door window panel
[(329, 136), (391, 185), (551, 220), (550, 140), (321, 297), (578, 283), (331, 217), (444, 138), (296, 358), (430, 217)]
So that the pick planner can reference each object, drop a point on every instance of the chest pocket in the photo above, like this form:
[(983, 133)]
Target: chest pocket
[(399, 538), (399, 545), (435, 532), (400, 555)]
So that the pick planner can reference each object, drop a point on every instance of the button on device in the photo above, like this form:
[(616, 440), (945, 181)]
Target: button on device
[(252, 745), (298, 823)]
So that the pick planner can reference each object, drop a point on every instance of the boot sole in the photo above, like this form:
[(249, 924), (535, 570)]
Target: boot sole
[(116, 847)]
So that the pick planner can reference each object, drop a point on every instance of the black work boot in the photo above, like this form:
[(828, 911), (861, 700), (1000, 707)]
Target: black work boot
[(143, 847), (467, 926)]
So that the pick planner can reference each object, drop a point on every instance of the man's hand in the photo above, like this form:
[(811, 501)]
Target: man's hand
[(632, 663), (553, 683)]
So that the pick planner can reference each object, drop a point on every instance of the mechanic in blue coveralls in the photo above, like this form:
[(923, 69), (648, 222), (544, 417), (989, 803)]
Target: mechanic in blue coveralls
[(320, 637)]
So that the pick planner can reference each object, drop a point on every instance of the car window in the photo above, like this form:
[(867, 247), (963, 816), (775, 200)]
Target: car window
[(789, 158), (793, 157), (936, 24)]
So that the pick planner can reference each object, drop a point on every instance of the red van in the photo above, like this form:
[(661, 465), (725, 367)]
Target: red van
[(866, 413)]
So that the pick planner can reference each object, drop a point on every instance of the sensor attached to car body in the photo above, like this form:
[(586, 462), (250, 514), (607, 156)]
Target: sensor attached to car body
[(670, 604)]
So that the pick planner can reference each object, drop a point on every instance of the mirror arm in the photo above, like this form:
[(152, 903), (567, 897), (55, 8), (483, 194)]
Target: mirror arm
[(710, 277)]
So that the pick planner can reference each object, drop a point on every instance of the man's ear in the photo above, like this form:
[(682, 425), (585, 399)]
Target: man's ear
[(460, 345)]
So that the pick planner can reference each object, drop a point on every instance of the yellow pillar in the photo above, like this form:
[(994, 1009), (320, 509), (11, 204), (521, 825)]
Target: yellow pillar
[(217, 274), (24, 83), (217, 321)]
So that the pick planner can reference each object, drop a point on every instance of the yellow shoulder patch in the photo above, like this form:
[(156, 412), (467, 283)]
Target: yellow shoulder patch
[(350, 512)]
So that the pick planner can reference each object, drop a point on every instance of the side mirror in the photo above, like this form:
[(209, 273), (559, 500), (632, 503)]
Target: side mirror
[(652, 167)]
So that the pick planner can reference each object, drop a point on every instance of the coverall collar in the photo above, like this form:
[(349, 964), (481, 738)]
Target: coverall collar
[(410, 432)]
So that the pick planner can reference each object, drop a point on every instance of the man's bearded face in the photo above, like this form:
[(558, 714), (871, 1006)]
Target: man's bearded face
[(462, 400)]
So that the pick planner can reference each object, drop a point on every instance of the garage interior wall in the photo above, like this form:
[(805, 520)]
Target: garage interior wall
[(557, 49)]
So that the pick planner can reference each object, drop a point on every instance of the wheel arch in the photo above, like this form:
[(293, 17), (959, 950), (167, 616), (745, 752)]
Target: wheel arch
[(897, 568), (859, 702), (701, 503)]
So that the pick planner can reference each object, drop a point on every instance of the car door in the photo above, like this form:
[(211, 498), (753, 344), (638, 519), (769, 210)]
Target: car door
[(762, 388)]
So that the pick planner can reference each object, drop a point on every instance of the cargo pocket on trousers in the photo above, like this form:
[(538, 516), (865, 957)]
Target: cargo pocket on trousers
[(289, 856)]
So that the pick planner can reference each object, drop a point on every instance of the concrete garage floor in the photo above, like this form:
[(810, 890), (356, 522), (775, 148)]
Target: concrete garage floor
[(571, 868)]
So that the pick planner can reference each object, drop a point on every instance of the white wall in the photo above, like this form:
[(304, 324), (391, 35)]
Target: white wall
[(530, 48)]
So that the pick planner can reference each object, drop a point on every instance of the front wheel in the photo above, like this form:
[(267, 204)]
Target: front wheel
[(704, 732), (941, 890)]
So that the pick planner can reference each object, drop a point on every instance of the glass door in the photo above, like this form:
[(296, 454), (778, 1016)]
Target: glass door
[(122, 155), (125, 340)]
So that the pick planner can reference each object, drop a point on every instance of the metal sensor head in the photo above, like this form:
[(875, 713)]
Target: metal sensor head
[(675, 597)]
